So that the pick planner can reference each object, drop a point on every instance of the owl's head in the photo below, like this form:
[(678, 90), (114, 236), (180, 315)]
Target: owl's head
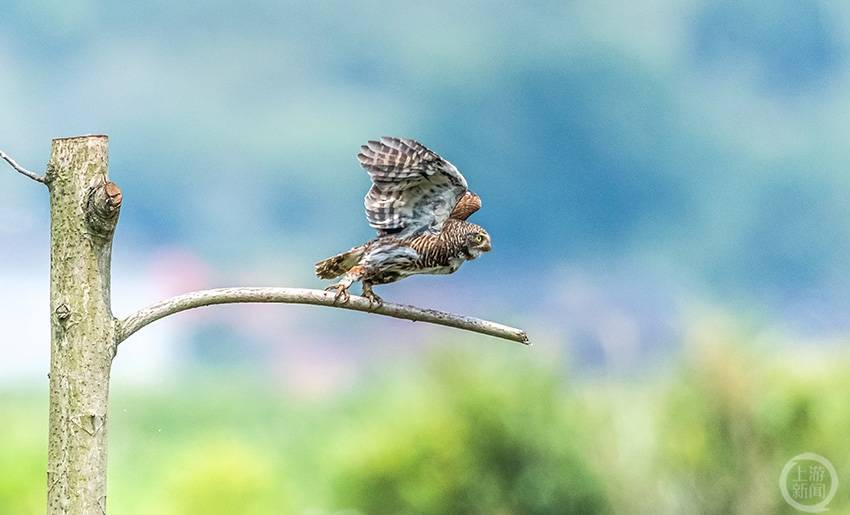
[(477, 241)]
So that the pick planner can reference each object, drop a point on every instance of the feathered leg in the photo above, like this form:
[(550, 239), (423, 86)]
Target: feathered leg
[(341, 288)]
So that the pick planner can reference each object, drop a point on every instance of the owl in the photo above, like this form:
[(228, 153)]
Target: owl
[(418, 204)]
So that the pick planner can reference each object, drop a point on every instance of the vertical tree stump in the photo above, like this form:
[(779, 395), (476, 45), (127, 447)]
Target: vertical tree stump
[(83, 212)]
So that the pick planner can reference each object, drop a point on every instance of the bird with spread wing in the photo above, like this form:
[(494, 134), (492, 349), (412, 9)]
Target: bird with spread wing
[(418, 203)]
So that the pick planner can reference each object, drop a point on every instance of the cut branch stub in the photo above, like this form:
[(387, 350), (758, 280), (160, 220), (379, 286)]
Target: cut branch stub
[(102, 207)]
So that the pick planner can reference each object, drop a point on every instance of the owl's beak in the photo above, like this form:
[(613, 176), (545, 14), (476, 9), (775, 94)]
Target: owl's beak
[(488, 246)]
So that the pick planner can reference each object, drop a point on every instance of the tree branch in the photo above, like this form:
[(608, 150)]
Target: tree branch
[(32, 175), (143, 317)]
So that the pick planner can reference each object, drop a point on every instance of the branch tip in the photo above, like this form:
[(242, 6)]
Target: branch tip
[(20, 169)]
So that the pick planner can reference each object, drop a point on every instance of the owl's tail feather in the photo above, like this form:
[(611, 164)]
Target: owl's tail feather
[(341, 263)]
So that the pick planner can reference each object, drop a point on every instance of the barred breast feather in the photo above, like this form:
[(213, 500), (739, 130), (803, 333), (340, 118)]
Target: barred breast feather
[(443, 249)]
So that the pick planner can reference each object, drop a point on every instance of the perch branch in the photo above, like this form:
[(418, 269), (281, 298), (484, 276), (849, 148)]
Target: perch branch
[(32, 175), (197, 299)]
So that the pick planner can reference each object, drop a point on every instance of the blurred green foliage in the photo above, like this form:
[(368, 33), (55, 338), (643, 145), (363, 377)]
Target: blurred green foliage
[(470, 439), (470, 431)]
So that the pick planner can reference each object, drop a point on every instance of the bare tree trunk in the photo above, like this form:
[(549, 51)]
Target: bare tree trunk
[(83, 213), (84, 208)]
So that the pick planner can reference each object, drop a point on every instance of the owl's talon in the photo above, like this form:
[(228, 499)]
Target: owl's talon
[(374, 300), (342, 294)]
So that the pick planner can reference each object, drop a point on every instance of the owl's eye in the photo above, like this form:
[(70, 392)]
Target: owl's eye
[(479, 238)]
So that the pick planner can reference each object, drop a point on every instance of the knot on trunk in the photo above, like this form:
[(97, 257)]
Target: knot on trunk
[(102, 207)]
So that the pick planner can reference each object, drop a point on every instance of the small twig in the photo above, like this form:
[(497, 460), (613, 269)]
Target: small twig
[(32, 175), (143, 317)]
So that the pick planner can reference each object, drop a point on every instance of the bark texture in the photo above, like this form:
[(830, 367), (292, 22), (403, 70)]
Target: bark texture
[(83, 212)]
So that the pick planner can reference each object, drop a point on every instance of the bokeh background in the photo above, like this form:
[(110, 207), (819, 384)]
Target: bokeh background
[(666, 184)]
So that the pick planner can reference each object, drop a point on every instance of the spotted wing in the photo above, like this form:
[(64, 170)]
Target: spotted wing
[(413, 189)]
